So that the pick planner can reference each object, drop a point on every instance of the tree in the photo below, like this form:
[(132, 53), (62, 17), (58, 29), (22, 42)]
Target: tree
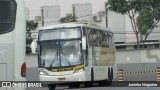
[(68, 18), (143, 14), (30, 25)]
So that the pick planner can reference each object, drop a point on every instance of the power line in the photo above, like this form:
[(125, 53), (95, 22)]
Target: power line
[(69, 10)]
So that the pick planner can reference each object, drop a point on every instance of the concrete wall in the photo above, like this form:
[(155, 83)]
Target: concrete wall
[(138, 56), (116, 22), (137, 60), (51, 15)]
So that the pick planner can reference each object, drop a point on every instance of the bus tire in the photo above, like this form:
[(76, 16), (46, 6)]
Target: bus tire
[(51, 86), (92, 75), (74, 85), (110, 75), (105, 82), (90, 83), (102, 83)]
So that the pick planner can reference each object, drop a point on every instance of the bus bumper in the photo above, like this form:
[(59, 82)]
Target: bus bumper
[(76, 77)]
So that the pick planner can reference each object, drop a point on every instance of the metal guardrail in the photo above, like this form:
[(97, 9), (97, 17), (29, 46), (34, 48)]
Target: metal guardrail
[(158, 74), (121, 73), (141, 72)]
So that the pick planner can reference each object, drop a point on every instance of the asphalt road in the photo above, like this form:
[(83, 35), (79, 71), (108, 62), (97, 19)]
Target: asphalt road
[(101, 88), (31, 61)]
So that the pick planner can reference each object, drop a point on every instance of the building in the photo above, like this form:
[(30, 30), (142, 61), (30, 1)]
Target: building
[(48, 12)]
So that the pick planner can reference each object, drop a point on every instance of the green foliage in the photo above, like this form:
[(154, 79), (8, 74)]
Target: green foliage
[(30, 25), (67, 19), (28, 50), (144, 14), (145, 21), (119, 6), (29, 40), (148, 18)]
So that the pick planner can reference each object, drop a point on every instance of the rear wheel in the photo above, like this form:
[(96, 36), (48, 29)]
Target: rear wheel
[(88, 84), (105, 82), (110, 75), (51, 86)]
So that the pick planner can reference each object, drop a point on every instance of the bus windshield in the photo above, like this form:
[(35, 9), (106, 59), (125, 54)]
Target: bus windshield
[(60, 53)]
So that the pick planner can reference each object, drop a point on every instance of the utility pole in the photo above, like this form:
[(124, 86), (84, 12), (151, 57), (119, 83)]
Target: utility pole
[(42, 16), (106, 12), (74, 17)]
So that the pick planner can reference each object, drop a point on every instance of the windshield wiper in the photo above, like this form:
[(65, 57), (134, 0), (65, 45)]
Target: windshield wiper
[(66, 59), (54, 60)]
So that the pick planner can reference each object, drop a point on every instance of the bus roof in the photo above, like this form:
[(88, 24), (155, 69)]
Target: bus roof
[(84, 22), (72, 25)]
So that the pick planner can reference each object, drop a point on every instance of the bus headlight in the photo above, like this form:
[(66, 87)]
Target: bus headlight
[(80, 70), (42, 72)]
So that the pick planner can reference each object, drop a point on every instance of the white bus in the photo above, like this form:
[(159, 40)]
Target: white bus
[(12, 42), (77, 53)]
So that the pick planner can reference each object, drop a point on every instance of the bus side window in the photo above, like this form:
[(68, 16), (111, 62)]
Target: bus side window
[(91, 37), (95, 38), (110, 39), (106, 40), (7, 15), (88, 36)]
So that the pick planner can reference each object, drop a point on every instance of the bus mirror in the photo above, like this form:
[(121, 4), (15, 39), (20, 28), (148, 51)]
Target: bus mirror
[(83, 43)]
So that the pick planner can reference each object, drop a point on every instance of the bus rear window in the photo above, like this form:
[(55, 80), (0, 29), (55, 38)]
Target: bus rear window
[(7, 15)]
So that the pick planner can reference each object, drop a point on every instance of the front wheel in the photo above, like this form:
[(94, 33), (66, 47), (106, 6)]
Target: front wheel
[(51, 87), (74, 85), (90, 83)]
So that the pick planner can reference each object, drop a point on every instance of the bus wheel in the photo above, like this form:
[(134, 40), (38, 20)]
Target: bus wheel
[(102, 83), (74, 85), (51, 86), (110, 75), (105, 82), (90, 83)]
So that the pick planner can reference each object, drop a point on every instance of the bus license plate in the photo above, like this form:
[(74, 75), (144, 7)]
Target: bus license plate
[(61, 79)]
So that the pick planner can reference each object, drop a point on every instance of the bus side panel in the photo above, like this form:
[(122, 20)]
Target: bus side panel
[(107, 57), (89, 62), (102, 59), (6, 60), (99, 66), (3, 69), (19, 40)]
